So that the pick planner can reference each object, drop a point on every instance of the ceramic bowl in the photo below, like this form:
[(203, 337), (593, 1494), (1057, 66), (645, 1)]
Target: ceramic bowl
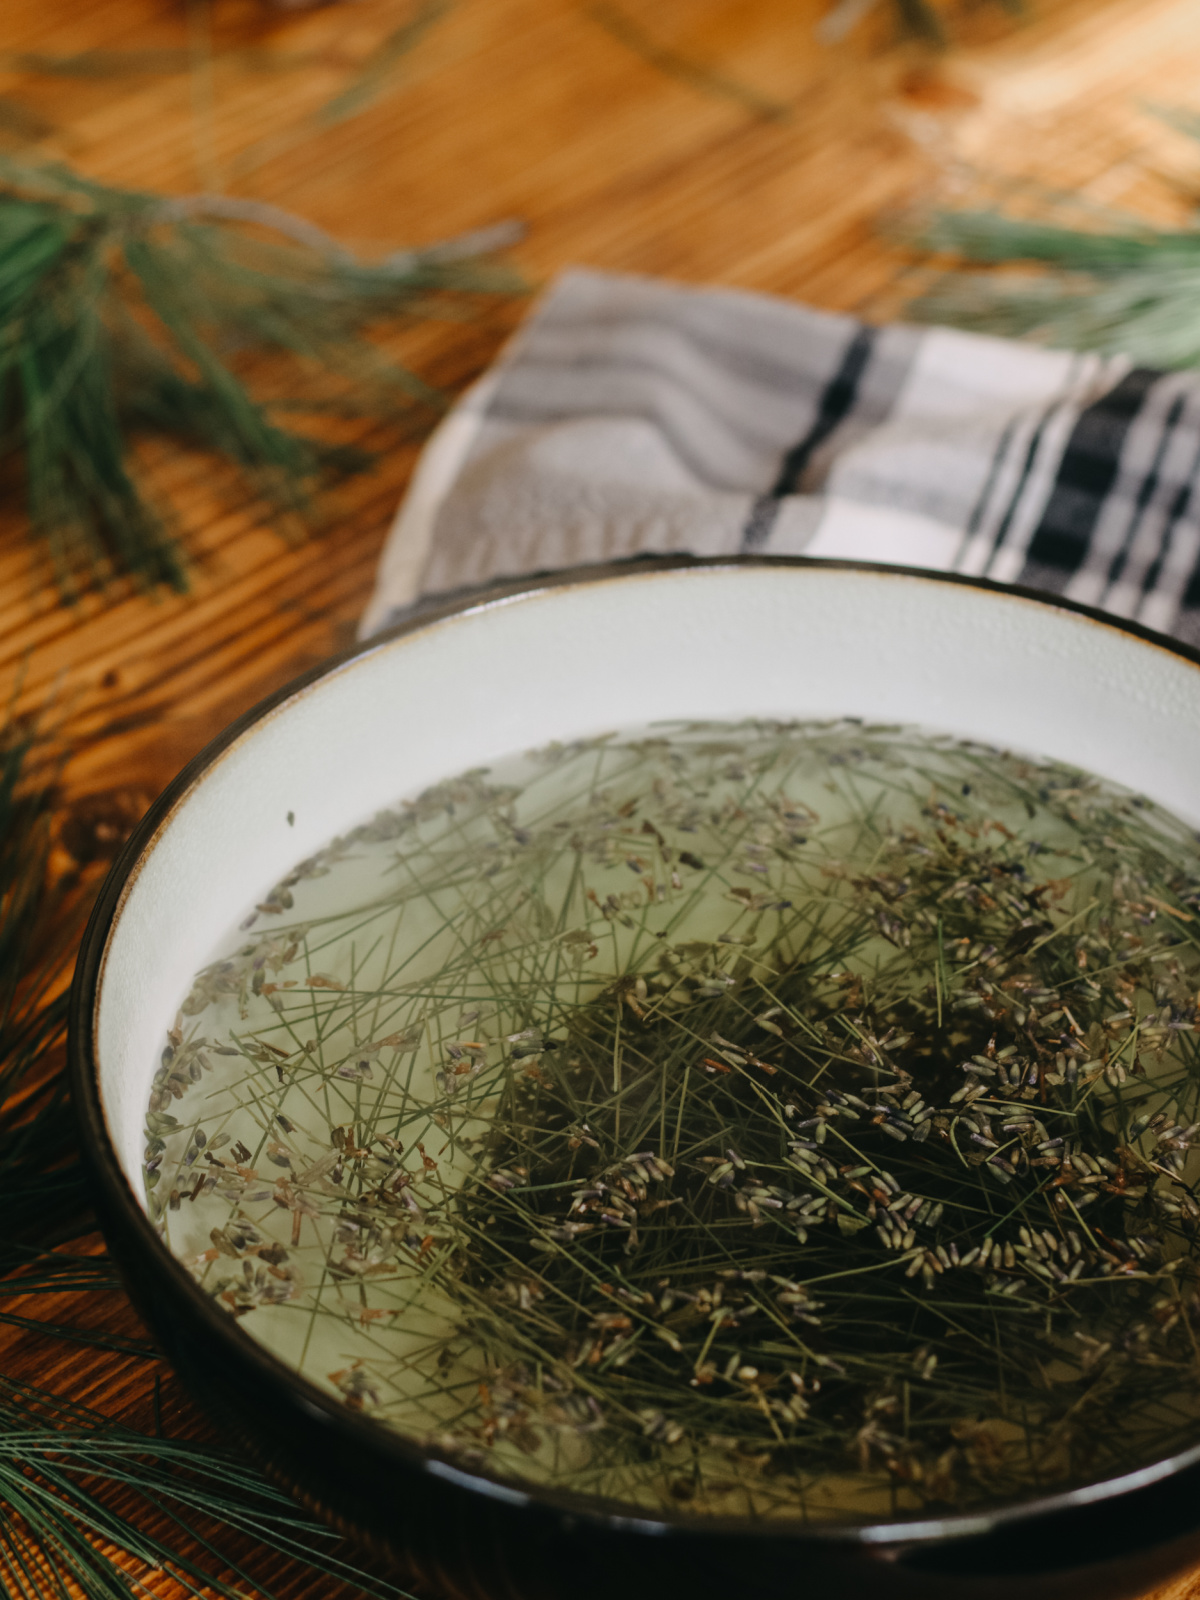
[(460, 686)]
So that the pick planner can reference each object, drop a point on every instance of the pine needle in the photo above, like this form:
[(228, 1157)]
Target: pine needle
[(122, 314), (60, 1530), (629, 31), (88, 1506), (1118, 286), (371, 80)]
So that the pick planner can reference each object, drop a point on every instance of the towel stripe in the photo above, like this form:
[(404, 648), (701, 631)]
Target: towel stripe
[(1086, 475), (837, 402)]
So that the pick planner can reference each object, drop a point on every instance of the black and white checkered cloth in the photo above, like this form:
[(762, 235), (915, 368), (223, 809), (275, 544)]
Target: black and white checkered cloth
[(632, 417)]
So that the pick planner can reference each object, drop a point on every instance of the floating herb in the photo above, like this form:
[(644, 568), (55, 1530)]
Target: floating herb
[(782, 1120)]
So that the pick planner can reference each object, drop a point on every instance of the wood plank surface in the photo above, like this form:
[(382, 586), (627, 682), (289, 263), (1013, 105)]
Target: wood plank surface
[(708, 140)]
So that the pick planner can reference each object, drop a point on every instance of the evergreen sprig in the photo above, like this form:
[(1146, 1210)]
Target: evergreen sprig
[(90, 1507), (1115, 286), (124, 313)]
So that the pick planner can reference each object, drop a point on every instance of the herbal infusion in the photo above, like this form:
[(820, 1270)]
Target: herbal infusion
[(785, 1120)]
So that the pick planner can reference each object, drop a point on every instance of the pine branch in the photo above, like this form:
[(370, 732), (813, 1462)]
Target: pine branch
[(61, 1465), (1134, 292), (122, 313), (89, 1507), (1121, 288)]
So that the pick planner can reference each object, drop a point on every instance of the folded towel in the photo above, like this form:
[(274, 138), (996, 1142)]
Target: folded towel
[(631, 416)]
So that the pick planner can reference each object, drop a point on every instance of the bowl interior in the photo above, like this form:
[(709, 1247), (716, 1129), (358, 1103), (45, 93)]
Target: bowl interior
[(603, 651)]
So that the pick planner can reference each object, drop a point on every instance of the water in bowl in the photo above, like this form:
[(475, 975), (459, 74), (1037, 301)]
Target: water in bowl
[(781, 1120)]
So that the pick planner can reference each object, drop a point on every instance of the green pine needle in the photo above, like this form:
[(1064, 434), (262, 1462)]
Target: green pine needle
[(1133, 292), (122, 313), (628, 30), (88, 1506), (1125, 288)]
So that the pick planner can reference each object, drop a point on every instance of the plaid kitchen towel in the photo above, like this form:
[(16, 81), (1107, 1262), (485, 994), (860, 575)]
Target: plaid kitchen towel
[(632, 416)]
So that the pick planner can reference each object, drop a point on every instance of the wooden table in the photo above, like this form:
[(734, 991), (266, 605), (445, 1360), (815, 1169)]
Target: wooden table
[(715, 141)]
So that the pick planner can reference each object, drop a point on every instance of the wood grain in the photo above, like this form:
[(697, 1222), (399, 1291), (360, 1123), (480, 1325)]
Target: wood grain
[(504, 108)]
